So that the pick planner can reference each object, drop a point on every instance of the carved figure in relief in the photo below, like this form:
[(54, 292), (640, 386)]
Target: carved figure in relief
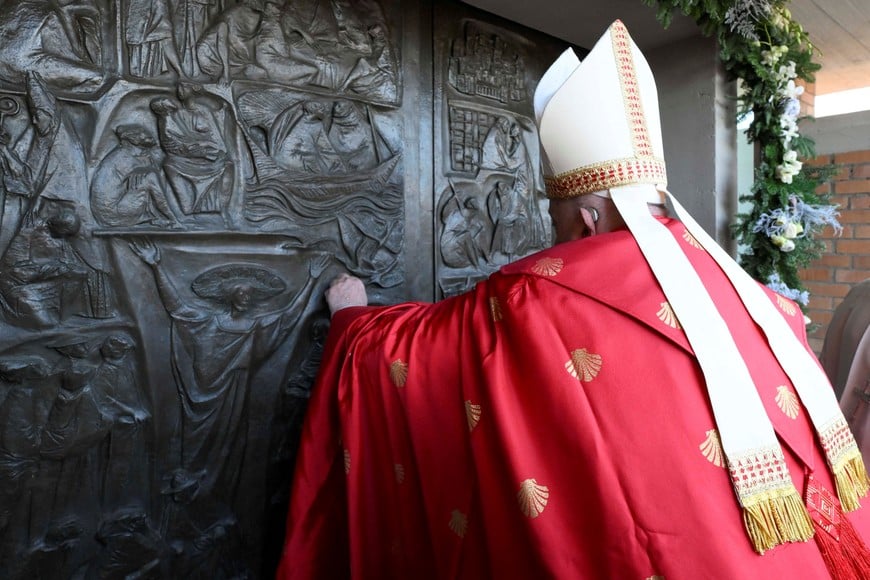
[(125, 478), (464, 232), (375, 75), (226, 50), (298, 139), (26, 400), (279, 54), (150, 42), (45, 279), (193, 131), (216, 349), (129, 187), (192, 18), (60, 41), (503, 146)]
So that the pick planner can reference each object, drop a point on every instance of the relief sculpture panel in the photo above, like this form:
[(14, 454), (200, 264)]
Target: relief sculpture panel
[(179, 182), (490, 208)]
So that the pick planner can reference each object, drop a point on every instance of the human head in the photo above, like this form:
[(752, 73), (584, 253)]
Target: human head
[(116, 346), (63, 223), (240, 297), (136, 135)]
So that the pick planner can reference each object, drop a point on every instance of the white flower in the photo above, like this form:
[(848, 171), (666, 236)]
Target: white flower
[(787, 71), (769, 58), (791, 109), (789, 129), (792, 230), (783, 243), (789, 168), (793, 91)]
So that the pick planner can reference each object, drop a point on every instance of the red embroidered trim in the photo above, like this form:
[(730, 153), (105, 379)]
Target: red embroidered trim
[(630, 90), (602, 176)]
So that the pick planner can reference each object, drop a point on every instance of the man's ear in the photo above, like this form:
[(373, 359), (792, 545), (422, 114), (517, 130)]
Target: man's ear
[(589, 216)]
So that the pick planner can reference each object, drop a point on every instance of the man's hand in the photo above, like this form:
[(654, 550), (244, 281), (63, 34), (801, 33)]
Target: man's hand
[(345, 291)]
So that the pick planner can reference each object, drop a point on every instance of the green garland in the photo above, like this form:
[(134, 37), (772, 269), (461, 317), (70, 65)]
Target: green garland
[(767, 52)]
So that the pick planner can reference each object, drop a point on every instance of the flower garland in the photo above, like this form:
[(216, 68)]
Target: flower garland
[(769, 54)]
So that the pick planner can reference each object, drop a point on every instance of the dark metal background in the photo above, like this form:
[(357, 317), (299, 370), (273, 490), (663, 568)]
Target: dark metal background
[(179, 180)]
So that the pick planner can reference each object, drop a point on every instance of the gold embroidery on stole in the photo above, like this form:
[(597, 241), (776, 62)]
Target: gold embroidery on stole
[(787, 402), (666, 315)]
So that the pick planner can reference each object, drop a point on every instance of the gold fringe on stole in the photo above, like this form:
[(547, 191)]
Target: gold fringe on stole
[(777, 517), (851, 477)]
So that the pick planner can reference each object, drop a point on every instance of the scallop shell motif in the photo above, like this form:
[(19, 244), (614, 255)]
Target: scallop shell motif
[(399, 372), (458, 523), (583, 366), (787, 402), (666, 315), (712, 449), (347, 461), (656, 577), (472, 414), (786, 305), (495, 309), (399, 471), (692, 240), (532, 498), (548, 266)]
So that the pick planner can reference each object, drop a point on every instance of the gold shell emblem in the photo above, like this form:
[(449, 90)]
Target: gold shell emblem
[(691, 240), (583, 366), (347, 461), (495, 309), (548, 266), (399, 471), (458, 523), (666, 315), (786, 305), (787, 402), (712, 449), (399, 372), (532, 498), (472, 414)]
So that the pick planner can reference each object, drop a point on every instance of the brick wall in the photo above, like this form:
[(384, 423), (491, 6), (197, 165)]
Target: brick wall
[(846, 260)]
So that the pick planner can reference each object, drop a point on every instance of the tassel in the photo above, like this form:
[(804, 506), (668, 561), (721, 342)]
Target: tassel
[(777, 518), (846, 558), (852, 482)]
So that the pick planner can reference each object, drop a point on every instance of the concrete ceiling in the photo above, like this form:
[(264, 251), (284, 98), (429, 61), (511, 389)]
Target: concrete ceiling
[(840, 29)]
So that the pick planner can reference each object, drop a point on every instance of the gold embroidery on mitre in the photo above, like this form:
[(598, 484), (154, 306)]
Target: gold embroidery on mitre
[(666, 315), (532, 498), (712, 449), (548, 266), (605, 175), (786, 305), (584, 365), (458, 523), (495, 309), (347, 461), (399, 471), (692, 240), (472, 414), (625, 69), (787, 402), (399, 372)]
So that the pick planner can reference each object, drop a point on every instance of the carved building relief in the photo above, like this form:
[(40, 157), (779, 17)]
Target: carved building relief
[(179, 181), (491, 209)]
